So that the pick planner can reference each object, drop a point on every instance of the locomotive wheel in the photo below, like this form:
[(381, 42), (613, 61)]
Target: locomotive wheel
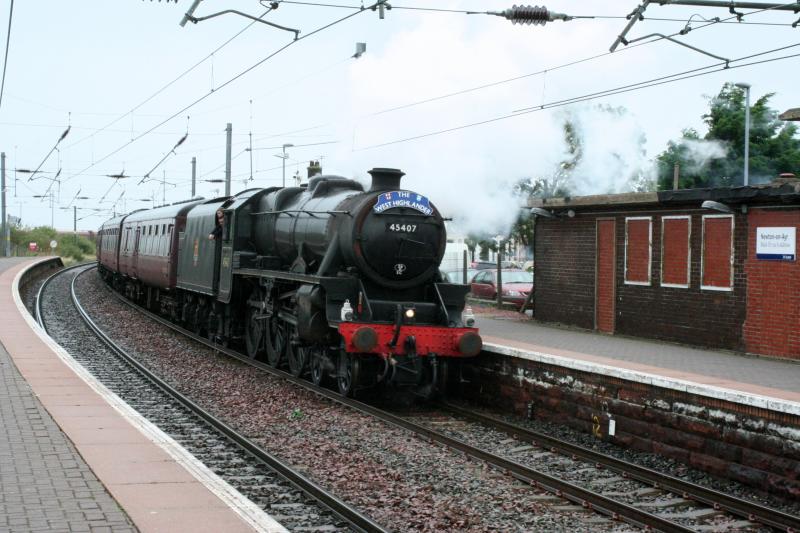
[(200, 319), (298, 357), (277, 340), (317, 364), (347, 374), (212, 326), (254, 333), (213, 330)]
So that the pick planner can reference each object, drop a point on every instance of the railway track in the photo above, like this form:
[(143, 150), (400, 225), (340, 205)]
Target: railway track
[(630, 493), (581, 457), (291, 498)]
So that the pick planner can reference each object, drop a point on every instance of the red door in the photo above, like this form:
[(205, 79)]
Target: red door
[(605, 275)]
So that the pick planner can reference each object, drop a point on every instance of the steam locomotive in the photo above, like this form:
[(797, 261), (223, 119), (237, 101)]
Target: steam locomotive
[(330, 279)]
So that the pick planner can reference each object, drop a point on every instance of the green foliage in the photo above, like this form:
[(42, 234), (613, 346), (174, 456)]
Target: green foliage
[(79, 248), (774, 147)]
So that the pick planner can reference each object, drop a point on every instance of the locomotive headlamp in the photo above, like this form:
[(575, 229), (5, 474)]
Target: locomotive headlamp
[(409, 314)]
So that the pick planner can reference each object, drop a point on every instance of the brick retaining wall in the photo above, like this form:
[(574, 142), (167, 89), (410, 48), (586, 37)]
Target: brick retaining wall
[(755, 446)]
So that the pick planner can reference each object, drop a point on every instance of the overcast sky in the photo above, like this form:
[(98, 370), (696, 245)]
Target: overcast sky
[(95, 64)]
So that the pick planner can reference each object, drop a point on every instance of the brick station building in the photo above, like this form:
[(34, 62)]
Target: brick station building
[(660, 265)]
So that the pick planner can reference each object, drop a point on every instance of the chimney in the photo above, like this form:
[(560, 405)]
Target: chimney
[(384, 179), (314, 169), (676, 176)]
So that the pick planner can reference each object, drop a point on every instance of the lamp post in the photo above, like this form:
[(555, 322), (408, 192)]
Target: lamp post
[(284, 156), (746, 87)]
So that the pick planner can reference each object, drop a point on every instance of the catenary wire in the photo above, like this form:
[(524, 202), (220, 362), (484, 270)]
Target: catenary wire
[(550, 69), (175, 80), (225, 84), (319, 4), (428, 100), (591, 96), (473, 12)]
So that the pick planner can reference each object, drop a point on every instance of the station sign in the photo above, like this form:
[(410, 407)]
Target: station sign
[(776, 244)]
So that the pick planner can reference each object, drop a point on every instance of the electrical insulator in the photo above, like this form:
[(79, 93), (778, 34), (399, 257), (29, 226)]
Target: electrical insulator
[(527, 15), (530, 15)]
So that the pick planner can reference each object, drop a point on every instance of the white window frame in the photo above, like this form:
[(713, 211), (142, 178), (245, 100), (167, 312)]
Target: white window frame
[(703, 253), (649, 281), (688, 255)]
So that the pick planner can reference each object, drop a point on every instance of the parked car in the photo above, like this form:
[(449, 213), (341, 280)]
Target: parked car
[(489, 265), (457, 276), (517, 285)]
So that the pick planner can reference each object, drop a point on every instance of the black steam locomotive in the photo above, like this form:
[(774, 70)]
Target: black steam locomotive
[(327, 278)]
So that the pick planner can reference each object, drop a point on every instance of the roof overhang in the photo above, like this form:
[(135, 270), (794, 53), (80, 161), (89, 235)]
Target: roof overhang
[(791, 114), (783, 193)]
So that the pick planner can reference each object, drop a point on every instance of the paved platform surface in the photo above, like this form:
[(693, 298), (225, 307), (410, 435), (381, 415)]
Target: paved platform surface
[(45, 485), (727, 370), (73, 459)]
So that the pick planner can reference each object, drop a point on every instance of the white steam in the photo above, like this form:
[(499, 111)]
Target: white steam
[(699, 153), (613, 153)]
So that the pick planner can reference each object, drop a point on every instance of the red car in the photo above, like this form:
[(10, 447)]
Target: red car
[(517, 284)]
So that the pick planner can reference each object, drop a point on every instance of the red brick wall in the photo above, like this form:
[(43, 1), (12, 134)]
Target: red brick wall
[(565, 284), (565, 271), (772, 326), (675, 251), (717, 235), (605, 275), (637, 250)]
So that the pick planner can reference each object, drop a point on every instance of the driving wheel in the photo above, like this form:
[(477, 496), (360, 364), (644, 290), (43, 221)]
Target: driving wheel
[(277, 340), (297, 356), (254, 333)]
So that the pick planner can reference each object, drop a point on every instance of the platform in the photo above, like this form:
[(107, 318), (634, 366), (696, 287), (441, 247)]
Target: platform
[(74, 457), (762, 382)]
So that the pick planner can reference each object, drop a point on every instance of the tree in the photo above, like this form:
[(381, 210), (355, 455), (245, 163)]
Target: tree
[(717, 159)]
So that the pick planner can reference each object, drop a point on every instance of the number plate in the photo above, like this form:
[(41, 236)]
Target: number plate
[(395, 227)]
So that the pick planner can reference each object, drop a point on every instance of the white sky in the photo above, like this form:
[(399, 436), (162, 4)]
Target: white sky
[(98, 60)]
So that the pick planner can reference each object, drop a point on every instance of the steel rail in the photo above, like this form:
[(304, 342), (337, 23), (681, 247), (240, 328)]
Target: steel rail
[(584, 497), (338, 507), (735, 506), (37, 306)]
